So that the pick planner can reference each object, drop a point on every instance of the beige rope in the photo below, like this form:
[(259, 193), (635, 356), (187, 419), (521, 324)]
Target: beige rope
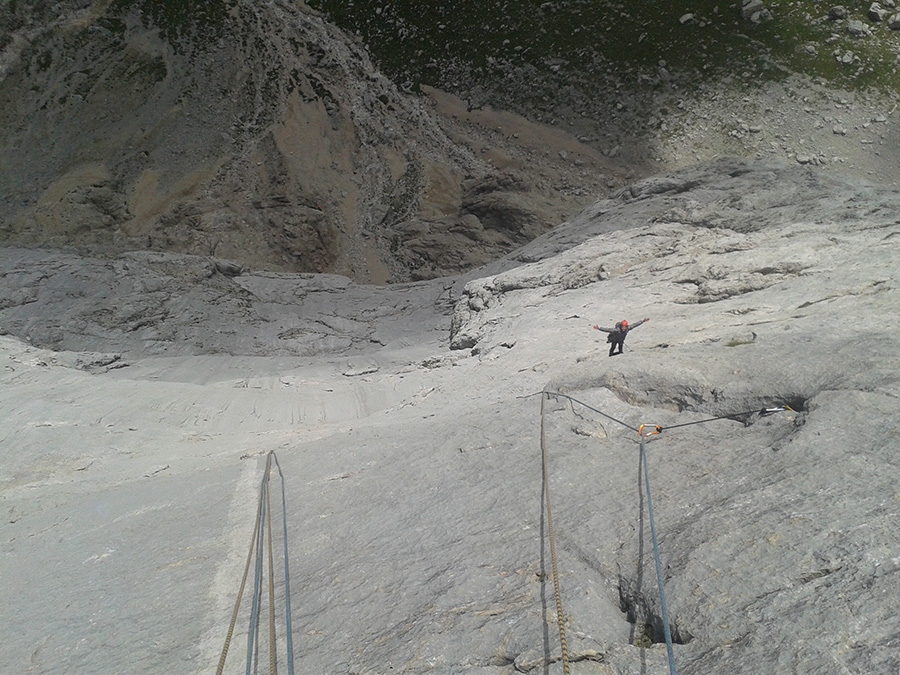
[(262, 530), (237, 604), (559, 610)]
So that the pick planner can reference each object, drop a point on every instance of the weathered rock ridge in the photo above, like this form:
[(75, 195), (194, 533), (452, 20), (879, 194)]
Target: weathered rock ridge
[(255, 132), (418, 542)]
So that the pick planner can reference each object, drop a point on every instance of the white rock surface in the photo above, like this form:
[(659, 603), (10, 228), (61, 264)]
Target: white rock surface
[(131, 461)]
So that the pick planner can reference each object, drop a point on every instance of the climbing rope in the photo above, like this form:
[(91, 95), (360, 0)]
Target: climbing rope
[(559, 610), (253, 633), (272, 653), (764, 412), (237, 604), (651, 430), (664, 612), (261, 543), (287, 574), (556, 394)]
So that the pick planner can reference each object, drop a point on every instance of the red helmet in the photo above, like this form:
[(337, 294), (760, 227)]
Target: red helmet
[(624, 323)]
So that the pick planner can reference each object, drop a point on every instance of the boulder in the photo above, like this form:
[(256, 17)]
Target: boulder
[(838, 12), (858, 29), (878, 13), (751, 7)]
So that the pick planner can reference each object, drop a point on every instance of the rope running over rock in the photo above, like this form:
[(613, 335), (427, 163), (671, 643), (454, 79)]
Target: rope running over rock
[(262, 543), (657, 429), (560, 619), (664, 612), (264, 521)]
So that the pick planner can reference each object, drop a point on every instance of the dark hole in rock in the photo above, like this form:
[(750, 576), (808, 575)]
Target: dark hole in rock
[(643, 614)]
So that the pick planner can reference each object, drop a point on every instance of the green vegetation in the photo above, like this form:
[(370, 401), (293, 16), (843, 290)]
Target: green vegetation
[(458, 44), (643, 636)]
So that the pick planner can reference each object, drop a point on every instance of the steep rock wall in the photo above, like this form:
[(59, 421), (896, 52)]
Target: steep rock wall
[(255, 132)]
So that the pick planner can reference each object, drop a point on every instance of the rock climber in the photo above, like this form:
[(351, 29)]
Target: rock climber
[(616, 337)]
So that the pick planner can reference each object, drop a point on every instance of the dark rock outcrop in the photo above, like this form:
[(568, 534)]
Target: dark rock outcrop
[(256, 132)]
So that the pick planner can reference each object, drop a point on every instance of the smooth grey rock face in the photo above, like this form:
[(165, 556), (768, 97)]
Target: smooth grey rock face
[(417, 537)]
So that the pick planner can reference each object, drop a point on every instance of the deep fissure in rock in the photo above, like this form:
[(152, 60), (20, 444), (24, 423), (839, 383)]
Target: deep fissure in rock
[(643, 614)]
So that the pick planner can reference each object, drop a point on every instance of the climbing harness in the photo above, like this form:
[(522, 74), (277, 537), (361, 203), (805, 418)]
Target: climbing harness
[(261, 542), (644, 431)]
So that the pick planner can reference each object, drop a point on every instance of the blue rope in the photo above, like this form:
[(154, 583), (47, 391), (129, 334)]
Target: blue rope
[(659, 576), (257, 582), (257, 541), (287, 575)]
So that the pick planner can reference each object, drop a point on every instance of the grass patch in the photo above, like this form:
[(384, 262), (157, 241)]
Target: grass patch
[(457, 45), (643, 636)]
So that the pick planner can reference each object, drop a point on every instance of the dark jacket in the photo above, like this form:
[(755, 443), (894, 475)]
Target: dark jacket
[(617, 334)]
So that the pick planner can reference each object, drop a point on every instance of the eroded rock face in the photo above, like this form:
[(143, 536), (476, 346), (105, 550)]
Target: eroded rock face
[(157, 303), (255, 132), (734, 227), (188, 141), (414, 480)]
